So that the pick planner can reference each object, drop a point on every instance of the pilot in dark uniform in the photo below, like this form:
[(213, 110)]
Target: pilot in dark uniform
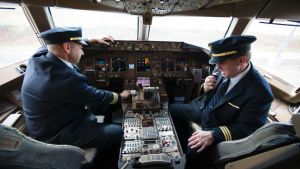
[(234, 101), (58, 102)]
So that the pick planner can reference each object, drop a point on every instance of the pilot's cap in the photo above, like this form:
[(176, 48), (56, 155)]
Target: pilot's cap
[(60, 35), (230, 47)]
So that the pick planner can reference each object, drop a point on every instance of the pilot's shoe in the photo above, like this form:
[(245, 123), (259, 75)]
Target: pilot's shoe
[(18, 151)]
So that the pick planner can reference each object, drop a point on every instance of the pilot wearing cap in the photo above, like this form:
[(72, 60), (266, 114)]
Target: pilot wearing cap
[(61, 35), (228, 48), (233, 103), (59, 103)]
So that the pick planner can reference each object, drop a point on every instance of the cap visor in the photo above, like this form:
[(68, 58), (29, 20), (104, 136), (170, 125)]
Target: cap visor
[(215, 60), (81, 42)]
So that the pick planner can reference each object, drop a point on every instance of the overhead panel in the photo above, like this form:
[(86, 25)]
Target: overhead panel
[(154, 7), (222, 2), (161, 7)]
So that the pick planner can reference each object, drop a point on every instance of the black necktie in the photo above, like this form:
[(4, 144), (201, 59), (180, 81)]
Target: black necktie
[(221, 90)]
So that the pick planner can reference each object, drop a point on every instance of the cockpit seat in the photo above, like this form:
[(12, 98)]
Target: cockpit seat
[(271, 145), (14, 146), (296, 123), (91, 153), (18, 151), (90, 156)]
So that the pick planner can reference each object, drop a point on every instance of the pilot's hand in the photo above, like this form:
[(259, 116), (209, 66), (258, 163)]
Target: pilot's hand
[(107, 40), (209, 83), (200, 140), (125, 94)]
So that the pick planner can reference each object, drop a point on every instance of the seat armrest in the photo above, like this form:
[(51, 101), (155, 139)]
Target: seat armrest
[(296, 123), (268, 137)]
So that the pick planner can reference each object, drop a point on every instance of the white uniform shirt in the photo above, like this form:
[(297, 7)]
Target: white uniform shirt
[(237, 78)]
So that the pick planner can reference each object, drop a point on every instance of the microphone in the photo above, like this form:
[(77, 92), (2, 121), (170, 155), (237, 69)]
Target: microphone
[(203, 98), (215, 74)]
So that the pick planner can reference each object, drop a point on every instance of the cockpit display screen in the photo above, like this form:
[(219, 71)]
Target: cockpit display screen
[(131, 66), (102, 64), (118, 64), (100, 61), (143, 64), (143, 81)]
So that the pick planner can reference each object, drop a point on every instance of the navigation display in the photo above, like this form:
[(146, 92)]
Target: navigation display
[(143, 81)]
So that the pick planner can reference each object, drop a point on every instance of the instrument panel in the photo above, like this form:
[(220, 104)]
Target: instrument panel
[(147, 67), (127, 60), (150, 139)]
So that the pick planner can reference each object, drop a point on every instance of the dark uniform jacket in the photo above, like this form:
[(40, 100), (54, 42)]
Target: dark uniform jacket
[(55, 97), (242, 110)]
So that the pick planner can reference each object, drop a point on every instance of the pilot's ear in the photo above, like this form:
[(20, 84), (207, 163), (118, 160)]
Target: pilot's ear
[(242, 59), (66, 46)]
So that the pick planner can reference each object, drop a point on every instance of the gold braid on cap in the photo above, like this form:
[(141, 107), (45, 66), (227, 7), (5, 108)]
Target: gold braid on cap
[(76, 38), (224, 53)]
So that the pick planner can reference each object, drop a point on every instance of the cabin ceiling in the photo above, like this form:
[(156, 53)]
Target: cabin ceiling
[(278, 9), (161, 7)]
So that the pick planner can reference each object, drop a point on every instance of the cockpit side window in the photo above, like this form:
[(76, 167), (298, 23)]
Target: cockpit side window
[(17, 39), (277, 49)]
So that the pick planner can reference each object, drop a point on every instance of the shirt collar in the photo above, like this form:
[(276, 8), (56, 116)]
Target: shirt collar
[(67, 63), (237, 78)]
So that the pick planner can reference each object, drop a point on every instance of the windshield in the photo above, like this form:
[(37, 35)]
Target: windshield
[(98, 24), (194, 30), (276, 50), (124, 26)]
